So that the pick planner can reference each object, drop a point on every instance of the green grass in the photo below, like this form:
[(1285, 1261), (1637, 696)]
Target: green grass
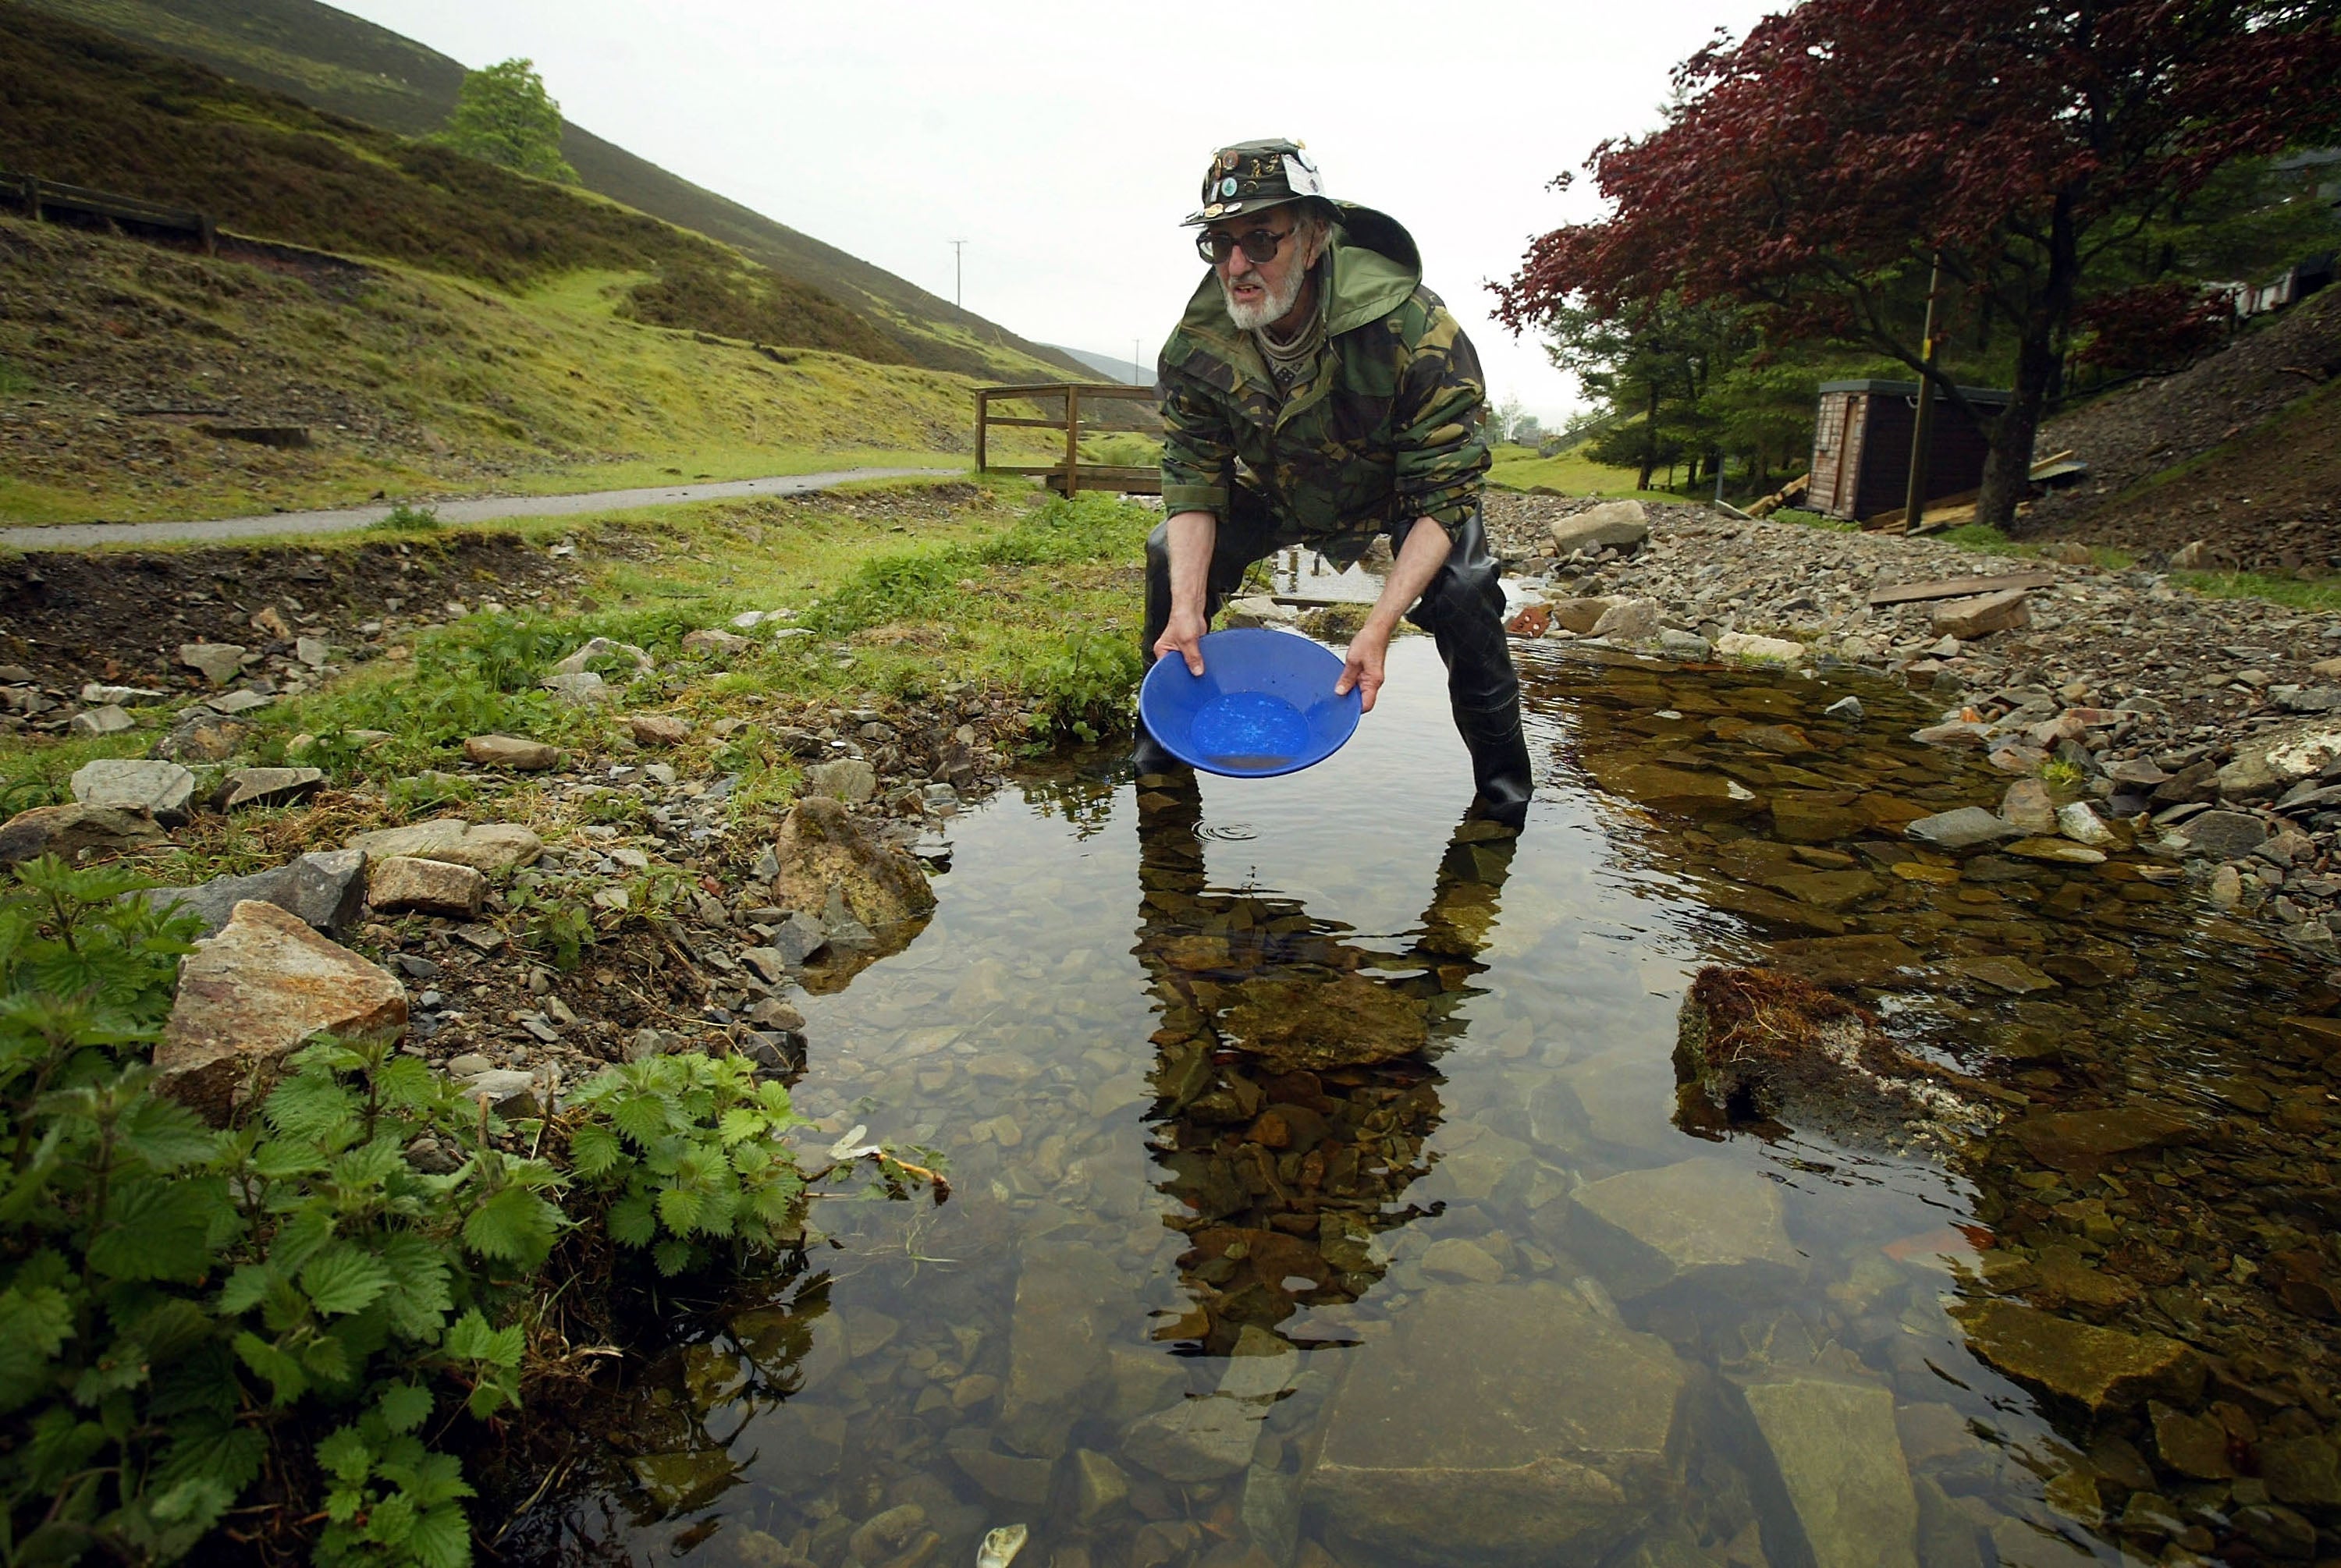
[(1572, 474), (2322, 597)]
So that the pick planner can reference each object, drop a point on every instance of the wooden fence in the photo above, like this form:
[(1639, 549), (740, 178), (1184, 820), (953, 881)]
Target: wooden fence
[(47, 198), (1071, 475)]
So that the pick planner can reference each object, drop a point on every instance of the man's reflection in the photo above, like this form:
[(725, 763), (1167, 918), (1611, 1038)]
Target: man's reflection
[(1293, 1067)]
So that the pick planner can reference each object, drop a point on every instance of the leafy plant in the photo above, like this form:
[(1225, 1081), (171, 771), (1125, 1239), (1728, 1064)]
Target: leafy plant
[(404, 518), (686, 1148)]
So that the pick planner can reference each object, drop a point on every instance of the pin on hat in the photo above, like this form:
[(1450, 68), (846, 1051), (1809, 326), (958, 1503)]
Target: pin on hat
[(1253, 176)]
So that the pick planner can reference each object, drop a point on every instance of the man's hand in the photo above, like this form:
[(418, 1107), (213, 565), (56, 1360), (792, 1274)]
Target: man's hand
[(1363, 667), (1179, 635), (1419, 561)]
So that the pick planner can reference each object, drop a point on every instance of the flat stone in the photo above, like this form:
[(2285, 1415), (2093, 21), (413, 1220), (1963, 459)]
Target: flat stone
[(2001, 973), (1699, 1216), (1456, 1257), (659, 729), (312, 651), (1840, 1462), (2303, 1471), (1195, 1439), (2275, 761), (491, 847), (106, 720), (511, 751), (220, 662), (2223, 835), (1664, 788), (822, 854), (1256, 609), (580, 690), (1981, 616), (848, 778), (1310, 1025), (1067, 1293), (163, 790), (1580, 615), (1686, 645), (239, 702), (508, 1092), (1750, 649), (402, 883), (326, 890), (1814, 816), (1845, 710), (1613, 524), (1099, 1486), (1629, 620), (70, 832), (2061, 851), (248, 787), (1840, 961), (796, 938), (96, 693), (1503, 1423), (1958, 732), (2100, 1368), (710, 640), (2080, 822), (769, 965), (204, 736), (2083, 1140), (1964, 829), (2027, 805), (250, 995), (602, 648)]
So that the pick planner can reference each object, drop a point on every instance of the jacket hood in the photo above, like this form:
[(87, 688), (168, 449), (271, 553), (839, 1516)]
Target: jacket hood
[(1372, 266)]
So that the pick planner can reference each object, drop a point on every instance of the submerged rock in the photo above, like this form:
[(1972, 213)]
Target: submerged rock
[(1304, 1024), (1708, 1220), (1499, 1424), (250, 996), (2083, 1140), (1839, 1461), (1760, 1045), (1057, 1342), (2101, 1368)]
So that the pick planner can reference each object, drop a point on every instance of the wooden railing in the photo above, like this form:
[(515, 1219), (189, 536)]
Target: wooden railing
[(1071, 475), (41, 198)]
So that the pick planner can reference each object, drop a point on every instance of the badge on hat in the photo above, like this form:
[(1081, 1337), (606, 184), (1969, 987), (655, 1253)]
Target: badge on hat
[(1301, 177), (1228, 186)]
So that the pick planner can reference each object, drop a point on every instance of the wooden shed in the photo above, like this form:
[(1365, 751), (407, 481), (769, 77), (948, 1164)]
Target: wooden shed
[(1861, 447)]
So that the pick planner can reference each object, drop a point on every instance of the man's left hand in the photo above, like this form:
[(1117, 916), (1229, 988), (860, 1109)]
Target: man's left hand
[(1363, 667)]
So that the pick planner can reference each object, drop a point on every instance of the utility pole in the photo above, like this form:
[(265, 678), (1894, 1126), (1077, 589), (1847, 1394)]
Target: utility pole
[(1137, 365), (959, 253), (1914, 501)]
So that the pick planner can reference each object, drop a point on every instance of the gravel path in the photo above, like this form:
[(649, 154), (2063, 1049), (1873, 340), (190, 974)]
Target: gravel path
[(85, 535)]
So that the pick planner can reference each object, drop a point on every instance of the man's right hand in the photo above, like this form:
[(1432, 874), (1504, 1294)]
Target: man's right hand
[(1180, 635)]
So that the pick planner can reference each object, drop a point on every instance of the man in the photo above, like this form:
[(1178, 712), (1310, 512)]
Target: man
[(1316, 393)]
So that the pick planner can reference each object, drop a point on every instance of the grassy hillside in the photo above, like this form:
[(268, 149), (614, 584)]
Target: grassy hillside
[(1570, 472), (411, 382), (354, 68)]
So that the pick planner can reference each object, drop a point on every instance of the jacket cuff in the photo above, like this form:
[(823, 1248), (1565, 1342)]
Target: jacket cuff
[(1179, 498)]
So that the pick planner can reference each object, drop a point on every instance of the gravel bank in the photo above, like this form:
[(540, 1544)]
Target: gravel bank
[(2175, 712)]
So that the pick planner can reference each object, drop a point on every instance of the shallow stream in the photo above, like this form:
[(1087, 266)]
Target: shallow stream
[(1507, 1299)]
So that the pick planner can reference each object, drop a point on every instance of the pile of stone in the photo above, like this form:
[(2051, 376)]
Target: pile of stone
[(2208, 730)]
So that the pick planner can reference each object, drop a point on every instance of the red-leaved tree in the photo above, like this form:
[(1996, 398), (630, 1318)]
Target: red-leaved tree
[(1811, 170)]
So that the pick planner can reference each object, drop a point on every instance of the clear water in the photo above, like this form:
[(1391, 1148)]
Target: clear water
[(1187, 1309), (1249, 729)]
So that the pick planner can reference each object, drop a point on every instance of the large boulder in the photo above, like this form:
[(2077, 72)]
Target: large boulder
[(1499, 1424), (2278, 759), (251, 995), (822, 847), (70, 831), (1762, 1046), (1613, 524)]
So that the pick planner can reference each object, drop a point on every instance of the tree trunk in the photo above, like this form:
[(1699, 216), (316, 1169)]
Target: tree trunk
[(2008, 465), (1649, 438)]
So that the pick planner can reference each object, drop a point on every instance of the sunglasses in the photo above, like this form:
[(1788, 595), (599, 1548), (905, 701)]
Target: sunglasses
[(1258, 247)]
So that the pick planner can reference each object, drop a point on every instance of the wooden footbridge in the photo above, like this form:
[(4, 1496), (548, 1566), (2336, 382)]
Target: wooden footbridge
[(1070, 475)]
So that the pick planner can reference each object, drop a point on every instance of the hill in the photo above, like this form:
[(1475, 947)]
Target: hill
[(360, 72), (2242, 450), (1110, 368)]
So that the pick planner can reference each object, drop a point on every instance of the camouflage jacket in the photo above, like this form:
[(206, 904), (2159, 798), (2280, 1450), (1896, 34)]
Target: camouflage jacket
[(1383, 430)]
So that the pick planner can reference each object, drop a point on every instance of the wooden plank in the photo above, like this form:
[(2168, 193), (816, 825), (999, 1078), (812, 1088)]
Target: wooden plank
[(1958, 587), (1028, 424)]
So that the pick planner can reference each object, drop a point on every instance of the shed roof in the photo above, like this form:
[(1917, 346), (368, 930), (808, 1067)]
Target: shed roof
[(1910, 389)]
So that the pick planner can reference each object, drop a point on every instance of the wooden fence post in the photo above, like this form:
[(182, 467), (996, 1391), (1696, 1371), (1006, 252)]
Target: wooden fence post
[(982, 413), (1073, 441)]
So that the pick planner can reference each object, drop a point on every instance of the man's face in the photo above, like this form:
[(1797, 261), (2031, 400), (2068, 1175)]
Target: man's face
[(1261, 294)]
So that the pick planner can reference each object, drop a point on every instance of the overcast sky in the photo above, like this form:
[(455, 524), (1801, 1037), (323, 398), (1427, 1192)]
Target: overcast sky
[(1064, 142)]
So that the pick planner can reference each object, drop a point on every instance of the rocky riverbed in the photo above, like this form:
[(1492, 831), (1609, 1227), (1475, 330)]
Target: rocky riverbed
[(2211, 726)]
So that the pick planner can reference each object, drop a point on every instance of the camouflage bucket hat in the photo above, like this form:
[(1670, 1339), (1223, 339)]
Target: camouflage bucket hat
[(1253, 176)]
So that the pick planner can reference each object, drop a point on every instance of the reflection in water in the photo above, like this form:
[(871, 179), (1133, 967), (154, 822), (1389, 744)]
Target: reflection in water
[(1244, 1296), (1294, 1074)]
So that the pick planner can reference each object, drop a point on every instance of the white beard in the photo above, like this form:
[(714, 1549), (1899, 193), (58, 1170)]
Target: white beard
[(1273, 306)]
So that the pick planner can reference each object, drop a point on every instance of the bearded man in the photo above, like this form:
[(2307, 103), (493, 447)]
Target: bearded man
[(1316, 393)]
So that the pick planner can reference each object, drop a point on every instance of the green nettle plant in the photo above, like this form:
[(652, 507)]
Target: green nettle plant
[(301, 1305)]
